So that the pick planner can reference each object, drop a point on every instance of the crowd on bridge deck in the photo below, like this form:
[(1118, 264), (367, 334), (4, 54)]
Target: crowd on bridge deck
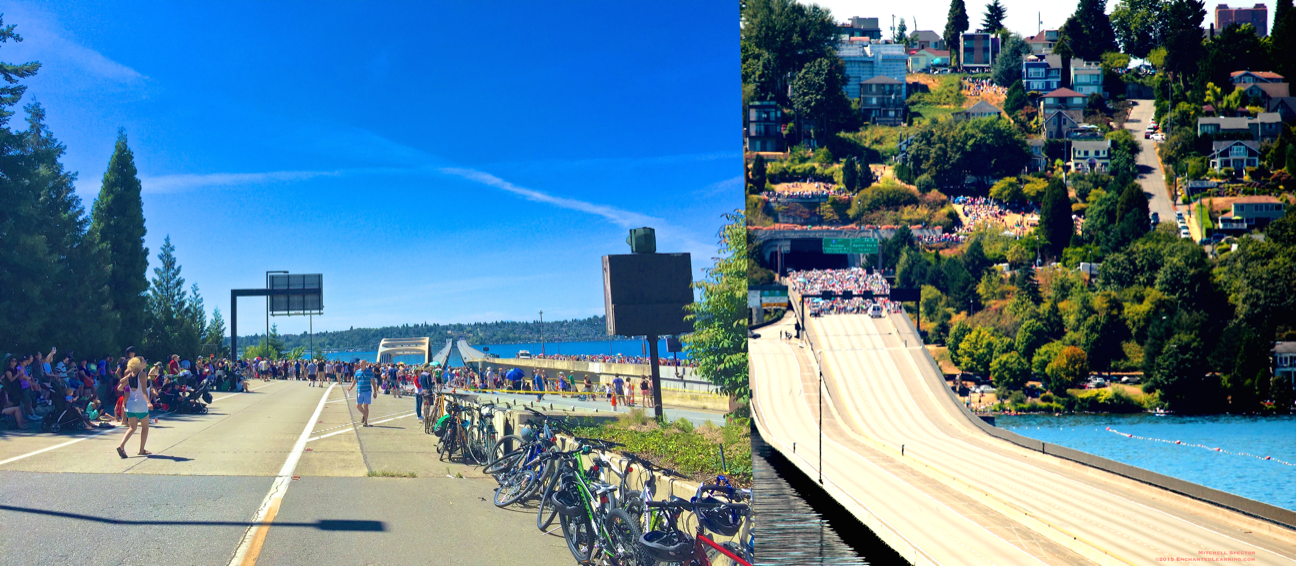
[(978, 211), (818, 307), (976, 87), (614, 359), (940, 238), (854, 279)]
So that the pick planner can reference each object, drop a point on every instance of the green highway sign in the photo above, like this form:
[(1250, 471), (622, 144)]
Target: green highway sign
[(850, 245)]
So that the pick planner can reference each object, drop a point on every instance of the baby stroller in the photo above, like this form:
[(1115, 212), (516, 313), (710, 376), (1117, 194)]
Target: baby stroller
[(66, 417), (194, 400)]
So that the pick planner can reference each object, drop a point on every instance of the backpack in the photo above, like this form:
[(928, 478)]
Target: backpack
[(441, 425)]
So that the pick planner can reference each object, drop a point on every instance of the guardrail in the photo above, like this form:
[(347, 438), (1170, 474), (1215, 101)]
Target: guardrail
[(1250, 507)]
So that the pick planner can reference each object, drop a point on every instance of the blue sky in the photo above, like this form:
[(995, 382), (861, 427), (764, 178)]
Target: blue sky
[(449, 162)]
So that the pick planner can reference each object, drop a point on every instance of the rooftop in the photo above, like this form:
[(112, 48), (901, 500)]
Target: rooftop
[(882, 80), (1272, 89), (1090, 145), (1256, 199), (1284, 348), (927, 35), (1261, 74), (1222, 145), (1063, 93), (982, 107)]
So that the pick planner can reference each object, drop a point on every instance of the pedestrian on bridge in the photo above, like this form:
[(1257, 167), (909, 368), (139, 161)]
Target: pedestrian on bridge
[(363, 386), (137, 405)]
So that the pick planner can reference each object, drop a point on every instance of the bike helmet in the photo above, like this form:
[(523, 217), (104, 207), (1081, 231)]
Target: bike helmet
[(667, 546), (566, 503), (527, 433), (719, 520)]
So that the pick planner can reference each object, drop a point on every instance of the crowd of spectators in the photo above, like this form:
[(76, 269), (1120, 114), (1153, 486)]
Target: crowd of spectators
[(855, 280), (977, 87), (819, 307), (778, 196), (979, 211), (614, 359), (940, 238)]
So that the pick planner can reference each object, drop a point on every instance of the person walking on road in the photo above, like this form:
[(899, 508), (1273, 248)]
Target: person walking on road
[(363, 386), (423, 389), (137, 405), (310, 373)]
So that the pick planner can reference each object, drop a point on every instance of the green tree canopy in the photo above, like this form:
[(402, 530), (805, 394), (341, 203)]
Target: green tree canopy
[(955, 24), (1007, 67), (780, 37), (818, 96), (1138, 25), (1088, 33), (992, 19), (1010, 372), (117, 224), (1067, 370), (1015, 100), (1055, 224), (719, 340)]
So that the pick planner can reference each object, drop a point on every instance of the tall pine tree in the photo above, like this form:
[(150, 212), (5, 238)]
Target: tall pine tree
[(24, 257), (955, 24), (1088, 33), (992, 20), (1282, 42), (1055, 218), (117, 224), (75, 287), (176, 320)]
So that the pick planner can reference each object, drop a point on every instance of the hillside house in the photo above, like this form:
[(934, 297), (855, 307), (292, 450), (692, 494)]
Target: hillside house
[(764, 132), (927, 39), (981, 109), (882, 100), (1238, 154), (1087, 77), (1043, 42), (978, 50), (1042, 73), (1090, 156), (1252, 212), (1264, 92), (926, 59), (1266, 126), (1247, 77)]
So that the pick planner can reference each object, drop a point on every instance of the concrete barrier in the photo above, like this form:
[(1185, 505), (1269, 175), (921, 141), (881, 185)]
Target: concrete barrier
[(1276, 515), (509, 420), (686, 392)]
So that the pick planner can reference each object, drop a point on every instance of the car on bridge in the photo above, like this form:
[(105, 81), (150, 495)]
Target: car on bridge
[(524, 354)]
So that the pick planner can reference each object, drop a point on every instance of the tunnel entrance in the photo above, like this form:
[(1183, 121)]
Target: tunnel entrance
[(808, 254)]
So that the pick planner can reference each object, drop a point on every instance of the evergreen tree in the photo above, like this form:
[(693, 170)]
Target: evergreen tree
[(215, 332), (169, 325), (1088, 33), (1015, 100), (866, 178), (955, 24), (1055, 225), (1282, 40), (76, 285), (24, 256), (1183, 37), (756, 180), (992, 20), (117, 224), (1027, 285), (975, 260), (850, 174), (901, 33)]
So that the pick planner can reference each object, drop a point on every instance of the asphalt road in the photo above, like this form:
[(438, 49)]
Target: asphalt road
[(1151, 176), (69, 499), (877, 400)]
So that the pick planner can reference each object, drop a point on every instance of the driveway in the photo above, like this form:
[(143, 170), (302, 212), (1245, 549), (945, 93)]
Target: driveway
[(1150, 175)]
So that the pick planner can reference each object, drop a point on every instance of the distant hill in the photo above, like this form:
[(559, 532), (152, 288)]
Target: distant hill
[(593, 328)]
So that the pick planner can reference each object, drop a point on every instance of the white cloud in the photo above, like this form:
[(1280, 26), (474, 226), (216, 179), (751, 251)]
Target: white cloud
[(45, 40), (178, 183), (622, 218)]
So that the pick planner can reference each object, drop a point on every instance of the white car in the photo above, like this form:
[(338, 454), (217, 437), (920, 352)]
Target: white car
[(1184, 233), (1158, 137)]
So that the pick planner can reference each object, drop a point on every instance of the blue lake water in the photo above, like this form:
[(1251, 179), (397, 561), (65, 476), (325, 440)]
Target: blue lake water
[(606, 347), (1269, 481)]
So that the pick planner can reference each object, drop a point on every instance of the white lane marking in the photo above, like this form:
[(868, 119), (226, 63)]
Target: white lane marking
[(280, 485), (57, 446), (349, 430)]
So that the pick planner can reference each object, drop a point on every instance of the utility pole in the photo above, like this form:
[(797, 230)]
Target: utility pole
[(542, 348)]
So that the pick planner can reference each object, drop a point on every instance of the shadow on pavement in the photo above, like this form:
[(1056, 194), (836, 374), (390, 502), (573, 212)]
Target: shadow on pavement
[(323, 524)]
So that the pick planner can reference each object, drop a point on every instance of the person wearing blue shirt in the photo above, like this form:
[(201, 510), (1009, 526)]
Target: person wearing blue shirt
[(363, 387), (538, 384)]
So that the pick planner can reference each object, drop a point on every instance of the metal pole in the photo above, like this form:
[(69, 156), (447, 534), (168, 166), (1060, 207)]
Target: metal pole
[(542, 348), (233, 326), (312, 335), (821, 387), (655, 373)]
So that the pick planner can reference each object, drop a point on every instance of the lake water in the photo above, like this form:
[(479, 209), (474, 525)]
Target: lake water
[(1239, 467), (606, 347), (798, 524)]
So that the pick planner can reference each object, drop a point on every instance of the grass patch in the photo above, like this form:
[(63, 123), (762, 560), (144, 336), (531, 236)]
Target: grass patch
[(692, 450), (931, 112), (390, 474)]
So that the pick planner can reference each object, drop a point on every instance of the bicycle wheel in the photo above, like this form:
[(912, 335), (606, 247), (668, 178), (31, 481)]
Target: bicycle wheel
[(624, 549), (580, 536), (501, 460), (513, 487), (545, 516)]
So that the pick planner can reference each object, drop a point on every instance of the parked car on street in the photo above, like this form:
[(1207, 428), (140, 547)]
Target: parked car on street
[(1131, 380), (1158, 137)]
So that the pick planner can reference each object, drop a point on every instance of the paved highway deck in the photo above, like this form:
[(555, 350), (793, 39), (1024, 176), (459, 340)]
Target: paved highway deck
[(69, 499), (959, 496)]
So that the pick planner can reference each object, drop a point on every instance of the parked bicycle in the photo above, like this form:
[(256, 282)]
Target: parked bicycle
[(593, 526)]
